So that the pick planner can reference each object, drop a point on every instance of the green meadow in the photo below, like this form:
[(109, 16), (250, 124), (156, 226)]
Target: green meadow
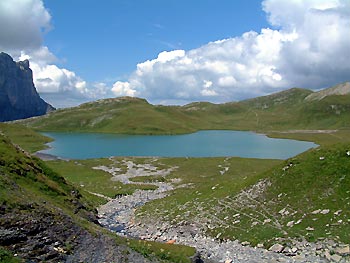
[(254, 200)]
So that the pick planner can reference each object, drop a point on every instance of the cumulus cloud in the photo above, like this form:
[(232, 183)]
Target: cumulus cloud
[(308, 47), (23, 24)]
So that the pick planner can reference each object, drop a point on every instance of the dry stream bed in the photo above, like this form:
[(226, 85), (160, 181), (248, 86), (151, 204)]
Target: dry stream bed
[(120, 215)]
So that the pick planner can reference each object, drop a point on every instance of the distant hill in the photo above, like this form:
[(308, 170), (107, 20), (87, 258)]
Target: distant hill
[(290, 109), (18, 96)]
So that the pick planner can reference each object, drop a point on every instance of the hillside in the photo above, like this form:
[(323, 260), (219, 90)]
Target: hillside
[(301, 203), (290, 109), (43, 218)]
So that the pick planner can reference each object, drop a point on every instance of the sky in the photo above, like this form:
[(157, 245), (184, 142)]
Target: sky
[(177, 51)]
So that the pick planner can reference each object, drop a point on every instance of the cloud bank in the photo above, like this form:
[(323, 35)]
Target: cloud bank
[(307, 47)]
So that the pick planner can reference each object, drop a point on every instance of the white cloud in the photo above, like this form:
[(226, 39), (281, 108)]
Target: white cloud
[(23, 24), (123, 89), (309, 49)]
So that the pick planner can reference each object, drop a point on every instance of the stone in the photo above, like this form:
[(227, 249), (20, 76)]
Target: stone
[(290, 223), (282, 211), (343, 250), (298, 222), (277, 248), (316, 212), (324, 211), (336, 258), (267, 221), (309, 228), (197, 258), (327, 255), (18, 96), (294, 249), (245, 243), (338, 212), (228, 261), (260, 245)]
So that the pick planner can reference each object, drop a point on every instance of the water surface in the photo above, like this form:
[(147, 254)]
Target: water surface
[(213, 143)]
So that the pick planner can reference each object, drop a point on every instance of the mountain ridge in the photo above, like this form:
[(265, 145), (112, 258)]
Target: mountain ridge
[(289, 109)]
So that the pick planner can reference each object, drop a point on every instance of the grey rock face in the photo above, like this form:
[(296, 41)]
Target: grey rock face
[(18, 96)]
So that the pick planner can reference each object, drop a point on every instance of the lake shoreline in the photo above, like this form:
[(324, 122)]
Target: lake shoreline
[(203, 144)]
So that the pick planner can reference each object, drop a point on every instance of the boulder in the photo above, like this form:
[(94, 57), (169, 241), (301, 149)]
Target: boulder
[(277, 248), (344, 250)]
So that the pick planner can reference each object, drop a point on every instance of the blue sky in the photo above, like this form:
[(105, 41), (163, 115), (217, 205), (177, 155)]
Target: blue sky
[(104, 41), (177, 52)]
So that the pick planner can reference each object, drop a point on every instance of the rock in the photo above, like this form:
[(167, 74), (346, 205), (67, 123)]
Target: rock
[(245, 243), (18, 96), (338, 212), (197, 258), (324, 211), (277, 248), (336, 258), (294, 250), (316, 212), (228, 261), (319, 246), (298, 222), (282, 211), (267, 221), (327, 255), (309, 228), (344, 250), (290, 223)]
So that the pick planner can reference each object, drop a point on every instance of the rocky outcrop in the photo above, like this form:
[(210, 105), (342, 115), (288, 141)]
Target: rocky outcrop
[(340, 89), (18, 96)]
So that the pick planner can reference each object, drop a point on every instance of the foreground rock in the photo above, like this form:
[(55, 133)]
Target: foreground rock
[(38, 235)]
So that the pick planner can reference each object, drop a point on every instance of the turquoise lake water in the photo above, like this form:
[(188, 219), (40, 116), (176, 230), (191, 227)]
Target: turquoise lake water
[(213, 143)]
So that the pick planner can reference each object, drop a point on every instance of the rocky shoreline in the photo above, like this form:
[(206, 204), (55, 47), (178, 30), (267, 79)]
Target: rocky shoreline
[(118, 215)]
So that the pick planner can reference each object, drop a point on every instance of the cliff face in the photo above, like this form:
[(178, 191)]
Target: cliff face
[(18, 96)]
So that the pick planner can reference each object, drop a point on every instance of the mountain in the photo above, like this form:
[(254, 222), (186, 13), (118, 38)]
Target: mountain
[(289, 109), (18, 96)]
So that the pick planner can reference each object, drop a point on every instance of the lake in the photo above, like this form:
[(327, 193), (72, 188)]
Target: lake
[(213, 143)]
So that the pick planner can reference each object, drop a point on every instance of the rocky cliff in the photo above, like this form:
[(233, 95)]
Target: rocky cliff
[(18, 96)]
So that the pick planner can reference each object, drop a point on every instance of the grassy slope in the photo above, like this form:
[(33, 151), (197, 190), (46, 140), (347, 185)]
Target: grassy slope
[(21, 135), (311, 183), (26, 181), (281, 111)]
